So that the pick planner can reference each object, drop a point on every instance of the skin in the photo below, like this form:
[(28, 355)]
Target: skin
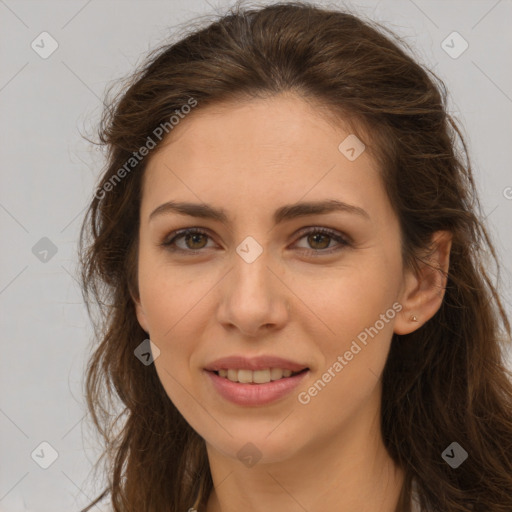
[(251, 158)]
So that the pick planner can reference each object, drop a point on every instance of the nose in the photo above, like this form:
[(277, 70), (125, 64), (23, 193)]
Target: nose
[(253, 298)]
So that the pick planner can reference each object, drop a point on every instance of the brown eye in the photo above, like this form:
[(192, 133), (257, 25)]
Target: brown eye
[(194, 240), (319, 241)]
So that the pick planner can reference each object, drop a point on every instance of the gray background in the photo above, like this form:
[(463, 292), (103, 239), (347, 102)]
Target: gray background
[(48, 173)]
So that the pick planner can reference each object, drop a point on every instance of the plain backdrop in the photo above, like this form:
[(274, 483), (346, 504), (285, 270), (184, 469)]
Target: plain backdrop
[(48, 173)]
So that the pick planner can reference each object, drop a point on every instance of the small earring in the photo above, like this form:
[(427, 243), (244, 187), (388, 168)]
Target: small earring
[(414, 318)]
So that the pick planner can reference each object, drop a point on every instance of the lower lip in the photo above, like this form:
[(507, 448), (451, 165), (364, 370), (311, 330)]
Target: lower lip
[(255, 394)]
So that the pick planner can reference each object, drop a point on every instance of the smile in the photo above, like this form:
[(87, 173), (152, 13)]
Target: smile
[(256, 377), (252, 393)]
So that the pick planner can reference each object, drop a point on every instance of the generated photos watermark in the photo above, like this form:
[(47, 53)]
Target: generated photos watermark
[(304, 397), (158, 133)]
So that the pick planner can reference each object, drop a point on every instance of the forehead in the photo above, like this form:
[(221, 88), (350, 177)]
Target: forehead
[(262, 151), (278, 124)]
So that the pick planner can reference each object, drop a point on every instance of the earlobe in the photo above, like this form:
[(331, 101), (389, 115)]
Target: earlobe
[(423, 290)]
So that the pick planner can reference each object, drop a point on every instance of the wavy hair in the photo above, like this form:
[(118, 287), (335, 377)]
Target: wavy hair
[(447, 381)]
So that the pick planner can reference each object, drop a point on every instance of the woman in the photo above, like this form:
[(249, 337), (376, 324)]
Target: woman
[(287, 246)]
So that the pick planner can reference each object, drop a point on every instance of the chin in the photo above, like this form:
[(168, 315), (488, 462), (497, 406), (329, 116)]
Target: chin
[(255, 446)]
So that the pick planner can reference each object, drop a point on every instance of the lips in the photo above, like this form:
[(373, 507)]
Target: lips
[(254, 395), (255, 381), (254, 364)]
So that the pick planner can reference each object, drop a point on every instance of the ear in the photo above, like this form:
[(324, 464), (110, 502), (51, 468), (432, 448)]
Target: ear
[(423, 290), (141, 315)]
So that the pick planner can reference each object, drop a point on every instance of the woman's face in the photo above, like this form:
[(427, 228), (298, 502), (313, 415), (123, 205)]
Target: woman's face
[(261, 281)]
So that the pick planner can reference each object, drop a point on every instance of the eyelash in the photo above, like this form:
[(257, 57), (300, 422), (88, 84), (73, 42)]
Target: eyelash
[(170, 241)]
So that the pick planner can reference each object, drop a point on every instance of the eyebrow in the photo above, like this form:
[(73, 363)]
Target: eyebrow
[(284, 213)]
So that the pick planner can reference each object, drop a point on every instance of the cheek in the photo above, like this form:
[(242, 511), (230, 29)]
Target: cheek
[(167, 307), (174, 332), (358, 310), (353, 360), (174, 304), (169, 295)]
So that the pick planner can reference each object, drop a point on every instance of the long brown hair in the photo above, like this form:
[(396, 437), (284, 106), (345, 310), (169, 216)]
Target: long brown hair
[(445, 382)]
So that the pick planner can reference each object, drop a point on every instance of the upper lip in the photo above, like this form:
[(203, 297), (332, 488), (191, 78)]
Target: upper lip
[(254, 363)]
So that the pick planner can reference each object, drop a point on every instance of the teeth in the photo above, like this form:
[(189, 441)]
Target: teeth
[(256, 377)]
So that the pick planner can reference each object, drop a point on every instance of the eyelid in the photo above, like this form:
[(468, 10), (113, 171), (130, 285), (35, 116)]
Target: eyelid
[(343, 241), (341, 238), (170, 239), (334, 233)]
